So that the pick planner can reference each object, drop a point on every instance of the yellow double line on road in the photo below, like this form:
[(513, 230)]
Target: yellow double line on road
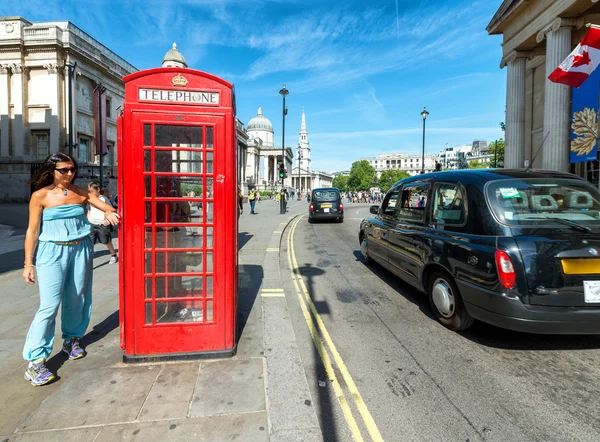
[(325, 345)]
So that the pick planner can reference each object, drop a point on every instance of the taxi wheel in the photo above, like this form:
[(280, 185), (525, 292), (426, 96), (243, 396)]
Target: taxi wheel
[(340, 220), (364, 250), (310, 220), (446, 302)]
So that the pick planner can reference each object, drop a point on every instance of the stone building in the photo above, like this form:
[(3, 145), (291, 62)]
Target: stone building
[(36, 60), (401, 161), (537, 36)]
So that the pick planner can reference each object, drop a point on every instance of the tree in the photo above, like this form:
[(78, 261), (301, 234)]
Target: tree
[(497, 150), (389, 177), (341, 182), (476, 164), (362, 175)]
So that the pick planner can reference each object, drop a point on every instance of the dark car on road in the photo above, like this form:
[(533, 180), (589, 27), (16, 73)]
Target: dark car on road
[(326, 203), (519, 248)]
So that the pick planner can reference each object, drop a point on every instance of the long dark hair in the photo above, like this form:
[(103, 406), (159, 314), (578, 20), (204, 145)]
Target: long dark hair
[(44, 176)]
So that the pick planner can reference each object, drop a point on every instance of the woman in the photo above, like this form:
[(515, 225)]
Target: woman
[(57, 220)]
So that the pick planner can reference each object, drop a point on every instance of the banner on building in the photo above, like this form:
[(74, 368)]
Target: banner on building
[(584, 123), (100, 120)]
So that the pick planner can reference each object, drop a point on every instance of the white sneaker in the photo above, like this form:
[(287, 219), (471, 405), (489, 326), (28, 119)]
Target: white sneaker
[(113, 259)]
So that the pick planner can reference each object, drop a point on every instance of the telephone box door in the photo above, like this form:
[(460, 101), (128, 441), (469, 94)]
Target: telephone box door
[(178, 238)]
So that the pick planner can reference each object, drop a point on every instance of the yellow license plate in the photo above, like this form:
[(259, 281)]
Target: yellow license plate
[(326, 206), (581, 266)]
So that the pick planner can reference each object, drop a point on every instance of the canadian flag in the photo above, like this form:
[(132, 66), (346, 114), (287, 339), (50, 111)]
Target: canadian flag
[(581, 62)]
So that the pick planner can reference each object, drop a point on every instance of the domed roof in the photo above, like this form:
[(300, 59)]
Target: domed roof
[(174, 58), (260, 122)]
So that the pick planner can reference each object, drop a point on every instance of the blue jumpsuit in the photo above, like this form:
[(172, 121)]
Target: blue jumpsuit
[(64, 273)]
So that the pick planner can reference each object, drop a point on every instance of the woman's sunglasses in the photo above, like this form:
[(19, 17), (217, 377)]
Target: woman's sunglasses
[(64, 170)]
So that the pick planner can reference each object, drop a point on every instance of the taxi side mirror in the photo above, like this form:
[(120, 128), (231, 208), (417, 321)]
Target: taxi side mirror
[(374, 210)]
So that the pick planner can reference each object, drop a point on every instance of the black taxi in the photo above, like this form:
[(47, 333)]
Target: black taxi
[(517, 248), (326, 204)]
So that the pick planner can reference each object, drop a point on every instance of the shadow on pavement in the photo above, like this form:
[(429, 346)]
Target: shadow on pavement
[(99, 331), (11, 261), (249, 281), (325, 391), (243, 238), (406, 290)]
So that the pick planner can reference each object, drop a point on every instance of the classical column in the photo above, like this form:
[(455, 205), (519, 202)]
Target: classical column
[(514, 148), (19, 73), (53, 94), (557, 106), (4, 110)]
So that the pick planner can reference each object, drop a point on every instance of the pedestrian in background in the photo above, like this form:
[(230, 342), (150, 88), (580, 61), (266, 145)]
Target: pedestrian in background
[(252, 200), (59, 236), (240, 199), (99, 226)]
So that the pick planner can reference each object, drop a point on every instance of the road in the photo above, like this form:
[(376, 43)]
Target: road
[(398, 375)]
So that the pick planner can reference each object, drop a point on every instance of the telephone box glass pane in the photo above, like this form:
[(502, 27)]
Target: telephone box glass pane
[(147, 161), (209, 311), (178, 212), (209, 137), (190, 311), (209, 262), (148, 185), (180, 238), (180, 262), (209, 188), (209, 212), (177, 136), (209, 237), (178, 186), (209, 162), (148, 238), (148, 313), (209, 287), (178, 161), (178, 287), (147, 135), (148, 263), (148, 288)]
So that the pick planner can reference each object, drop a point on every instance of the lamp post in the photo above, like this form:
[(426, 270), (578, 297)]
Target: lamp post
[(70, 75), (496, 154), (424, 115), (283, 92)]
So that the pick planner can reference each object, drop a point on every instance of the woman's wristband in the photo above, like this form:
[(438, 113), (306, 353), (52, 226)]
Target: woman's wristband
[(28, 265)]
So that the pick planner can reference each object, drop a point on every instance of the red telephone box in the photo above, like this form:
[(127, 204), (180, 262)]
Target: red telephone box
[(178, 200)]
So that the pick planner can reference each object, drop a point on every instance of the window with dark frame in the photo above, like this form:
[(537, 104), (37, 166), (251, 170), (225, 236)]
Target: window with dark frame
[(388, 207), (448, 206), (41, 142), (413, 202)]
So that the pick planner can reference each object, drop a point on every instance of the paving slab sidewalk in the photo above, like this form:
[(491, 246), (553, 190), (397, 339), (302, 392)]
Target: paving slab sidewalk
[(257, 395)]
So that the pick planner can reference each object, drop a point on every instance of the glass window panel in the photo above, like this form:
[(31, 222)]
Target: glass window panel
[(177, 136), (148, 215), (209, 162), (209, 188), (147, 135), (148, 313), (209, 311), (176, 186), (179, 238), (148, 238), (148, 186), (178, 287), (209, 286), (148, 290), (209, 212), (178, 161), (181, 262), (147, 161), (209, 262), (189, 311), (209, 237), (178, 212), (209, 137), (148, 262), (412, 202)]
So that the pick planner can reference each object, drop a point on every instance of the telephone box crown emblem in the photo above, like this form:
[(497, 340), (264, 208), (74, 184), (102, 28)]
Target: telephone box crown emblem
[(179, 80)]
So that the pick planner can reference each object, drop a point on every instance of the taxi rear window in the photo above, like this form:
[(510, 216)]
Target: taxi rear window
[(326, 195)]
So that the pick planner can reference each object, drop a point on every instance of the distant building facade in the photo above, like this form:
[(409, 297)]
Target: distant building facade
[(402, 161), (34, 100)]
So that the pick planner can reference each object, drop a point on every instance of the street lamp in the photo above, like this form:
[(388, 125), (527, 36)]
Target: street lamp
[(283, 92), (424, 115)]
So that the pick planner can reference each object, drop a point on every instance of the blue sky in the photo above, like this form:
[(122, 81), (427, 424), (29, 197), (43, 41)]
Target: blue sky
[(362, 70)]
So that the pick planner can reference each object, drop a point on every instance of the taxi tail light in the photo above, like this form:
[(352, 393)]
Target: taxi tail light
[(506, 270), (341, 207), (312, 208)]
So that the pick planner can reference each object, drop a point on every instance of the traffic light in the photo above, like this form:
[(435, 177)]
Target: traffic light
[(282, 171)]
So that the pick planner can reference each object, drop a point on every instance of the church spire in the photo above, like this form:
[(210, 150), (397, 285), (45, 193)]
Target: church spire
[(303, 126)]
